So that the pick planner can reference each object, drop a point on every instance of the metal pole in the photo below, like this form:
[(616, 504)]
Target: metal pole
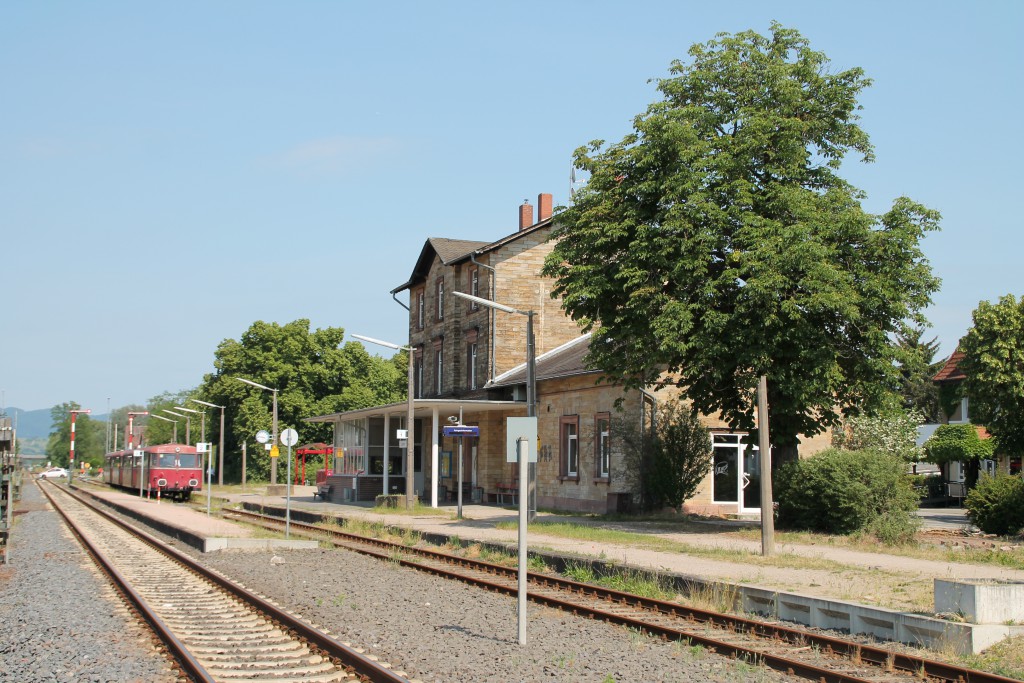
[(273, 461), (531, 408), (764, 446), (288, 497), (523, 453), (387, 452), (106, 443), (71, 455), (220, 451), (410, 425), (244, 444), (459, 515), (209, 483)]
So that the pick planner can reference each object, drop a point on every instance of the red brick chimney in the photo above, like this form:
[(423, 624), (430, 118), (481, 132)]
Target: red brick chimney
[(543, 207), (525, 215)]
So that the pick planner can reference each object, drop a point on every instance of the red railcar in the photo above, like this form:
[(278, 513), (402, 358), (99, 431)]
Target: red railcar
[(166, 470)]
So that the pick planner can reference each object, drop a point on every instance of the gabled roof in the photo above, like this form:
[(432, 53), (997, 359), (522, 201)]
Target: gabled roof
[(951, 371), (564, 361), (448, 250), (456, 251)]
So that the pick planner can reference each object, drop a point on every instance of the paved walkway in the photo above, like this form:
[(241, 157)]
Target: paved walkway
[(727, 552)]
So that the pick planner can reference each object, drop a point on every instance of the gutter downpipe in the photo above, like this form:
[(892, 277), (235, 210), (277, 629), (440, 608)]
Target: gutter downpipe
[(399, 302), (490, 337)]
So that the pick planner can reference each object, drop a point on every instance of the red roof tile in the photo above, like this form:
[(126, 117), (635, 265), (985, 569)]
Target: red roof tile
[(951, 371)]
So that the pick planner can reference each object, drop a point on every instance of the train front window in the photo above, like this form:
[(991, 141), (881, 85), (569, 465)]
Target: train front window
[(166, 460), (189, 460)]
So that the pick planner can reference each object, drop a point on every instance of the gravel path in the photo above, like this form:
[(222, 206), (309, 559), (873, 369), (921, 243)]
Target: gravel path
[(431, 629), (59, 619)]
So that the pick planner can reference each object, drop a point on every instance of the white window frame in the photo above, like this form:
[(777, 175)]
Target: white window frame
[(439, 369)]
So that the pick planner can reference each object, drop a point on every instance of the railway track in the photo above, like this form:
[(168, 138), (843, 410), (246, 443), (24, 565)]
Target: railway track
[(214, 629), (795, 651)]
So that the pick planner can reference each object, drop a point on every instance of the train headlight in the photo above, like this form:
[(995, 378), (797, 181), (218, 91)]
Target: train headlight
[(161, 482), (193, 483)]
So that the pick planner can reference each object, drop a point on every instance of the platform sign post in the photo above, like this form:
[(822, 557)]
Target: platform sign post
[(289, 438), (141, 455), (521, 447), (460, 431), (203, 448)]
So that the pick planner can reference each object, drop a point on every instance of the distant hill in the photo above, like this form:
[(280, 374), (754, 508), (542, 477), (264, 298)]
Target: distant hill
[(35, 424), (31, 424)]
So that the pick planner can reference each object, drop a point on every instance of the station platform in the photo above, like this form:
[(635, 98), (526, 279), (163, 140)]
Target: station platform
[(196, 529)]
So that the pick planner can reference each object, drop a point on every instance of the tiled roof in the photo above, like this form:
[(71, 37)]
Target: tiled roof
[(449, 250), (563, 361), (452, 251), (951, 371)]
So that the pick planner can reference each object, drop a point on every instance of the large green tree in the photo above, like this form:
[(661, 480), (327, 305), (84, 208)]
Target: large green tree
[(994, 365), (917, 366), (313, 376), (717, 242)]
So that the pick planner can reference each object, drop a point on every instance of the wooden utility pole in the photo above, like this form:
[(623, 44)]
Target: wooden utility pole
[(764, 446)]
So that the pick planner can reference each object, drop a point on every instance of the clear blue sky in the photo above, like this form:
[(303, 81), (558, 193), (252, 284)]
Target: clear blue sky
[(172, 172)]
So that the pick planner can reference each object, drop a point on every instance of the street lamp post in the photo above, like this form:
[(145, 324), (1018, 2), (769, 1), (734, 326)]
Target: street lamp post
[(207, 462), (71, 455), (531, 379), (273, 461), (188, 426), (220, 441), (167, 419), (202, 420), (410, 425), (131, 427)]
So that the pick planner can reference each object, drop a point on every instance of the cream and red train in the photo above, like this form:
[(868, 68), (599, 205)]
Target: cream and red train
[(166, 470)]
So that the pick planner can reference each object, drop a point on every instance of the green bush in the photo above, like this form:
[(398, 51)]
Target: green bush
[(957, 442), (996, 504), (845, 492)]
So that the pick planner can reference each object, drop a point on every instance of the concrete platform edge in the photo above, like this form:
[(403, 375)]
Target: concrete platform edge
[(187, 537), (221, 543), (877, 622)]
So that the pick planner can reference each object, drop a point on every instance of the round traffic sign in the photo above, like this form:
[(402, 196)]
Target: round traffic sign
[(263, 436), (289, 437)]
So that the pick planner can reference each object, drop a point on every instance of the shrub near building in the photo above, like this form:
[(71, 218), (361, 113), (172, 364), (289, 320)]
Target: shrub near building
[(846, 492), (996, 504)]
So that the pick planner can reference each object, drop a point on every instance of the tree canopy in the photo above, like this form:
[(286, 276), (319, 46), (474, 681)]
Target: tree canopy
[(994, 367), (918, 367), (313, 376), (952, 442), (717, 242)]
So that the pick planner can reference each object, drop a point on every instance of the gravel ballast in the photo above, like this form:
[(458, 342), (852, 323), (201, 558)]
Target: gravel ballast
[(59, 618), (436, 630), (431, 629)]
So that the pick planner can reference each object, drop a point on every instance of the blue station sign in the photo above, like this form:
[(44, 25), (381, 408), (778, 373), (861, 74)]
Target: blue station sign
[(460, 430)]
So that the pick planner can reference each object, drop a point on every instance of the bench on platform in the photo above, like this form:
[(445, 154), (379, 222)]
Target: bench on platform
[(503, 491)]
